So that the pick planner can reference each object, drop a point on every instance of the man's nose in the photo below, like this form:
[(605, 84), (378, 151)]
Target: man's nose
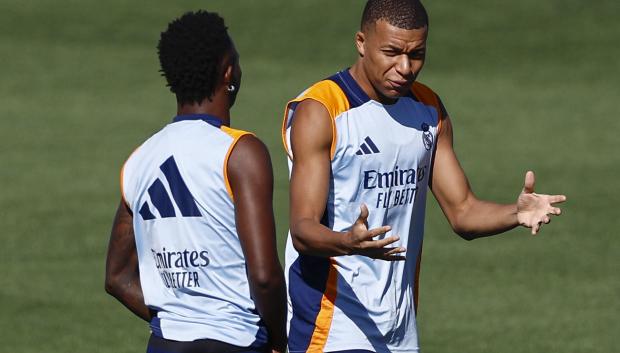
[(403, 66)]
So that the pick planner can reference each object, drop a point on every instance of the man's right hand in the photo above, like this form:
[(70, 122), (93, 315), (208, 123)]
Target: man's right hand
[(312, 141), (360, 240)]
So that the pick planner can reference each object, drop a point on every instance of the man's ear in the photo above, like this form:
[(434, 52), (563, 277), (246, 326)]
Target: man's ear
[(360, 41), (228, 73)]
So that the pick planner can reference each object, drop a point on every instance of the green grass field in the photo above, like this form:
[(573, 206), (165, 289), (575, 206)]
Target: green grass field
[(529, 85)]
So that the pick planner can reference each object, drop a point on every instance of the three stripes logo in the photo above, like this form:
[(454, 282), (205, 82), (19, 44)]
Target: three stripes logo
[(368, 147), (161, 199)]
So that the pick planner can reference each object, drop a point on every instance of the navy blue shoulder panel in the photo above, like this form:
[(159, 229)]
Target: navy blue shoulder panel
[(411, 95), (355, 95), (209, 119)]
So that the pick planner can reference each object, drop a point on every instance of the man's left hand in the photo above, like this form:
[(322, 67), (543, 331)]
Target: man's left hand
[(533, 209)]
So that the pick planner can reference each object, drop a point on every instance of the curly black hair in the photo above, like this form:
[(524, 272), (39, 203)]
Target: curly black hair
[(190, 52), (406, 14)]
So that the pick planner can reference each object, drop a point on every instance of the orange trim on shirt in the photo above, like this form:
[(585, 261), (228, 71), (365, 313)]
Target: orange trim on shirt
[(236, 135), (323, 320), (331, 96), (284, 124), (427, 96)]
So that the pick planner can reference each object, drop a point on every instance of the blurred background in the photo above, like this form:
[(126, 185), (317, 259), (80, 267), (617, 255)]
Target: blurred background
[(528, 84)]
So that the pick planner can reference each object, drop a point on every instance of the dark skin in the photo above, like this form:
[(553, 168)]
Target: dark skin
[(251, 181), (122, 275), (390, 58)]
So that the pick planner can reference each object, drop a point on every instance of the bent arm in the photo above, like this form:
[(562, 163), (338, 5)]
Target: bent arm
[(251, 179), (311, 140), (469, 217), (122, 278)]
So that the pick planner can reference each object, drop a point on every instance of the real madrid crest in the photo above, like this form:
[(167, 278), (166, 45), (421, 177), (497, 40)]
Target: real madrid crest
[(427, 137)]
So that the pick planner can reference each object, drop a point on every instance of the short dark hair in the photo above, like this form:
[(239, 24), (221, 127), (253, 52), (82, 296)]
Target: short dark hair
[(406, 14), (190, 52)]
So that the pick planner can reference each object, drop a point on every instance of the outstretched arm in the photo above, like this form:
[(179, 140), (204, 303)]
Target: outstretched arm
[(311, 138), (251, 180), (122, 278), (534, 209), (473, 218)]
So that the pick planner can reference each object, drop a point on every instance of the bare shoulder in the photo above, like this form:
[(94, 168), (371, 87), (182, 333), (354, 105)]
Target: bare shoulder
[(250, 155), (311, 126), (311, 113), (445, 132)]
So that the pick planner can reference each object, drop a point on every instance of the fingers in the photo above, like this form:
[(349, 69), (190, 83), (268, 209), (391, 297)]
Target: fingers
[(556, 198), (528, 185), (555, 211), (362, 238), (363, 217), (386, 254), (395, 251), (537, 225), (535, 228), (377, 231), (377, 249), (380, 243), (543, 216)]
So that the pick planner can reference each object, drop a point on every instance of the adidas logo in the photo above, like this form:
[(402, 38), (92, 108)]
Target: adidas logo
[(367, 147), (161, 200)]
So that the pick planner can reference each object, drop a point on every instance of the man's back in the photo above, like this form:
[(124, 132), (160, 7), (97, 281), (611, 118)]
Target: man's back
[(193, 249), (192, 267)]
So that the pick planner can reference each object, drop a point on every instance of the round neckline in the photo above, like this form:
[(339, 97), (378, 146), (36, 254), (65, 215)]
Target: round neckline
[(209, 119)]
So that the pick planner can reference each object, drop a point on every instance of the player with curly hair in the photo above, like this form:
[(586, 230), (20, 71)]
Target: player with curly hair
[(193, 248)]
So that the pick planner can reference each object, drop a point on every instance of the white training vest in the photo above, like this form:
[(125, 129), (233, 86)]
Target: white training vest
[(192, 268), (381, 156)]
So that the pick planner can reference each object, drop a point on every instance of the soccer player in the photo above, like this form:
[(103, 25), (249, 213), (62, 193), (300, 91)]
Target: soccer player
[(193, 248), (364, 146)]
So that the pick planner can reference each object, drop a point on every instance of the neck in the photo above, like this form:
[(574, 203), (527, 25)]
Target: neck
[(359, 75), (210, 107)]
